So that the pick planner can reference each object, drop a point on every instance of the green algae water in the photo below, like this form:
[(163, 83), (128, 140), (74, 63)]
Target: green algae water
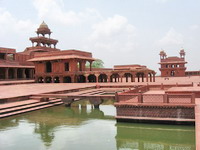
[(85, 128)]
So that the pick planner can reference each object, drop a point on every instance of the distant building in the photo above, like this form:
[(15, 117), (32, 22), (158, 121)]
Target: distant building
[(172, 66)]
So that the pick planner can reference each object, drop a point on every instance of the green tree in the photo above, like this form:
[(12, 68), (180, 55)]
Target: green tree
[(96, 64)]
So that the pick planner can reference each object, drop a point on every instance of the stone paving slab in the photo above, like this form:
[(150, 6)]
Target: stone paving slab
[(9, 91)]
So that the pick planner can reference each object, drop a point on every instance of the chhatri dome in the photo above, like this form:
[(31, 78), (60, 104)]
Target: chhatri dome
[(43, 29), (44, 25)]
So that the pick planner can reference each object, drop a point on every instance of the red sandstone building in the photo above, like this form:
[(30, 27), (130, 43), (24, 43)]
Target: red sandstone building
[(172, 66), (14, 65), (69, 66), (51, 65)]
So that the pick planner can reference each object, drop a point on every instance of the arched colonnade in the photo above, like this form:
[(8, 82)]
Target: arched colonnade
[(94, 77)]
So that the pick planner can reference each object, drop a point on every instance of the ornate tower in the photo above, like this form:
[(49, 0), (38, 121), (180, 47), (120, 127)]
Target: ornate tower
[(172, 66), (41, 43), (162, 54), (182, 53)]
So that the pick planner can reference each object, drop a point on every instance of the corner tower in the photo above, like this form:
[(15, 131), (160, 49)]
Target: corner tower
[(172, 66)]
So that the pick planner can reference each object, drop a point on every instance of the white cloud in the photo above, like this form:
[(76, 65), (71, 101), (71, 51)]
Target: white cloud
[(8, 23), (12, 29), (113, 34), (194, 27), (171, 38), (52, 10)]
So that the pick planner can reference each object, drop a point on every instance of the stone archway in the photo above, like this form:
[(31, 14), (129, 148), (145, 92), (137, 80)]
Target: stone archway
[(67, 79), (48, 80), (128, 77), (81, 79), (40, 80), (103, 78), (56, 80), (92, 78), (115, 77), (140, 75)]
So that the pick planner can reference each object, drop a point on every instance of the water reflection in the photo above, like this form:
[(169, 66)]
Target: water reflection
[(154, 137), (46, 121), (86, 128)]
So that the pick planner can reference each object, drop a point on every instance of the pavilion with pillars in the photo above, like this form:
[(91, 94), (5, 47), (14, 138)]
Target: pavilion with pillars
[(69, 66)]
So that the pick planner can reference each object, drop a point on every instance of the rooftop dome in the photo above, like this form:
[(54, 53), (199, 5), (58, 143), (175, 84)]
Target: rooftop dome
[(43, 29), (44, 25)]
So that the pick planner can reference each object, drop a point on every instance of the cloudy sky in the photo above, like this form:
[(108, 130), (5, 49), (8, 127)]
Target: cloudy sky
[(116, 31)]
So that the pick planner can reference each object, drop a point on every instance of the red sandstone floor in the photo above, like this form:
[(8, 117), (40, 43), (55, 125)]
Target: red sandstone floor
[(7, 91)]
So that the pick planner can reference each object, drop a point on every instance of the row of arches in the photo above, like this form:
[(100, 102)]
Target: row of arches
[(16, 73), (93, 78)]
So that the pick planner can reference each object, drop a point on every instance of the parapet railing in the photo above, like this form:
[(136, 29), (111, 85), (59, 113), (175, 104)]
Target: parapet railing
[(155, 98)]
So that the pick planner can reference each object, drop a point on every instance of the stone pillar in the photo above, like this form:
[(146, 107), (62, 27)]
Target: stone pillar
[(6, 73), (108, 78), (90, 65), (154, 78), (96, 75), (86, 79), (121, 78), (73, 79), (15, 73), (133, 78), (142, 77), (61, 79), (23, 74), (147, 78), (150, 77)]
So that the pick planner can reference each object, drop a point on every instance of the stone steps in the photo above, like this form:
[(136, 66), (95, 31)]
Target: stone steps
[(17, 104), (23, 108)]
